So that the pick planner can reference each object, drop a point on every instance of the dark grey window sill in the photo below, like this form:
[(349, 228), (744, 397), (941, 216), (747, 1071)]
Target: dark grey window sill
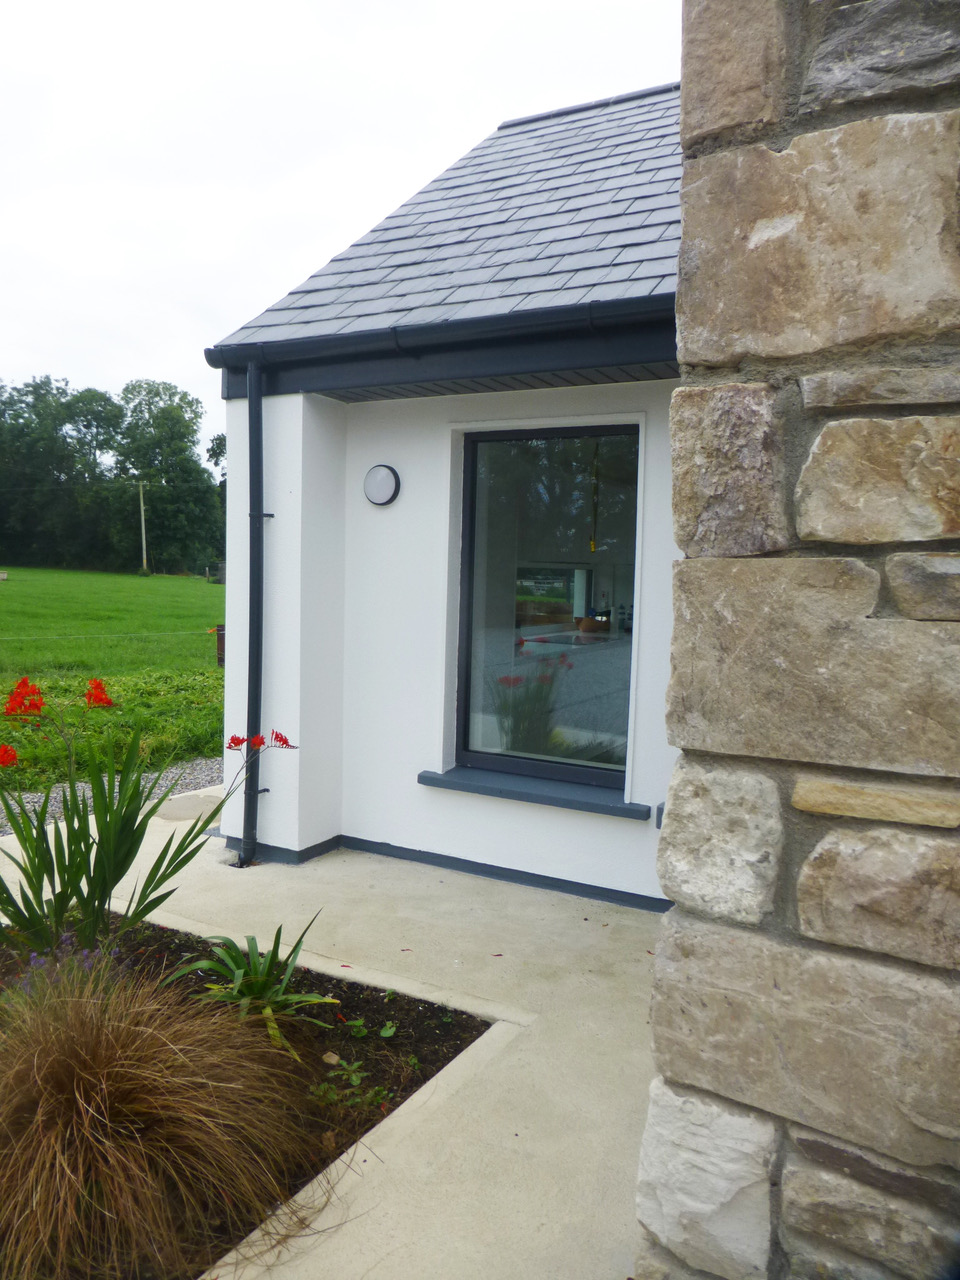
[(514, 786)]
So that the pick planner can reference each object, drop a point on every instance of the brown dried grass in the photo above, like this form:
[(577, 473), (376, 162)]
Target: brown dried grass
[(139, 1130)]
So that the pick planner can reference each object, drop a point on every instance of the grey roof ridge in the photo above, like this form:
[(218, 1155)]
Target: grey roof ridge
[(410, 339), (590, 106)]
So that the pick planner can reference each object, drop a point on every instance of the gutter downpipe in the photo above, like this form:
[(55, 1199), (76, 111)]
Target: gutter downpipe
[(251, 786)]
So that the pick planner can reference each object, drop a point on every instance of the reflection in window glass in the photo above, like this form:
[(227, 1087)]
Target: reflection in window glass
[(554, 537)]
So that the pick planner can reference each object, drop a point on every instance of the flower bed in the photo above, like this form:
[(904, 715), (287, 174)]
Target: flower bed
[(345, 1079), (160, 1095)]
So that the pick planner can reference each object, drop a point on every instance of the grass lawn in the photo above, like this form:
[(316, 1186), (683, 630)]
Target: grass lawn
[(147, 638)]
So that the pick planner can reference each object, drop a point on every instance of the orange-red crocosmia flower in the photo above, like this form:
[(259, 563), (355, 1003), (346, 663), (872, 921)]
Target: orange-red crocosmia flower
[(510, 682), (257, 741), (25, 700), (8, 756), (280, 740), (235, 742), (97, 695)]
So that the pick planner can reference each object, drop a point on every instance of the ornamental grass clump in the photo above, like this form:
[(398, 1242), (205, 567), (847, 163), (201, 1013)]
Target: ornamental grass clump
[(139, 1131)]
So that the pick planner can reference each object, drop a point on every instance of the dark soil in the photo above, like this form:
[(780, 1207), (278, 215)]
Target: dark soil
[(354, 1074)]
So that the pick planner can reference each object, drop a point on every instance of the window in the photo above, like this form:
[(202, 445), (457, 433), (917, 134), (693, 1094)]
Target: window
[(549, 546)]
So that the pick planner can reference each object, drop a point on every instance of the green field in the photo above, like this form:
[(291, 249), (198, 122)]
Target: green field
[(147, 638)]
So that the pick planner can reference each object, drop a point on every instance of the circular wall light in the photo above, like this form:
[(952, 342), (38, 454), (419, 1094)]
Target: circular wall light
[(381, 485)]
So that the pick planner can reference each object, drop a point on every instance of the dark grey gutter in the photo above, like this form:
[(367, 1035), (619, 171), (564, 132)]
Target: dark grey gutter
[(251, 786), (596, 335), (589, 317)]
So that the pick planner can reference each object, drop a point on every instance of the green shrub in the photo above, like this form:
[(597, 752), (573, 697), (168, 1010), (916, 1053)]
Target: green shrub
[(256, 983), (70, 872)]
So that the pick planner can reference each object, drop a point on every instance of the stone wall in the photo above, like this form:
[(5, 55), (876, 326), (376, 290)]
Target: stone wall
[(806, 1014)]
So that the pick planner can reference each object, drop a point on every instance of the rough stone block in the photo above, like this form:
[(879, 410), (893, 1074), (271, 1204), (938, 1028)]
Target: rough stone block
[(824, 243), (880, 385), (729, 491), (882, 480), (937, 1188), (885, 889), (911, 1238), (926, 584), (733, 66), (721, 842), (838, 1042), (912, 802), (656, 1263), (777, 658), (704, 1185), (877, 49), (809, 1260)]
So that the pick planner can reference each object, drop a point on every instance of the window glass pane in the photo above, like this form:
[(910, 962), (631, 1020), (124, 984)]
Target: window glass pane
[(555, 527)]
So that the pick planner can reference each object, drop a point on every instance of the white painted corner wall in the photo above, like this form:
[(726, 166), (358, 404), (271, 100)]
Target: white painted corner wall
[(360, 633)]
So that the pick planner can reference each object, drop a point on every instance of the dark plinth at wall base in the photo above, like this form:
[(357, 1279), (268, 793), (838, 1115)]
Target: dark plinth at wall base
[(292, 857), (271, 853), (489, 872), (515, 786)]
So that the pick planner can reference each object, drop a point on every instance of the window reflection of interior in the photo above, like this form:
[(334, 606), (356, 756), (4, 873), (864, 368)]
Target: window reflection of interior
[(553, 581)]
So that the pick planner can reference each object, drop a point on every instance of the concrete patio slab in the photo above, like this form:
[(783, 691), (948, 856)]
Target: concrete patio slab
[(517, 1162)]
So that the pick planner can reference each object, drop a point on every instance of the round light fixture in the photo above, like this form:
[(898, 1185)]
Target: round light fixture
[(381, 485)]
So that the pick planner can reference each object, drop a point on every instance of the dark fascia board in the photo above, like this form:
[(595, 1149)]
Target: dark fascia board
[(595, 334)]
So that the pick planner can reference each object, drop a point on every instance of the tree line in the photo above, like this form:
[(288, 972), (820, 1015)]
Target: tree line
[(71, 468)]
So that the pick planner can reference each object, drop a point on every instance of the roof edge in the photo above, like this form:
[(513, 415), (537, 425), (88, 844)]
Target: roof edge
[(407, 339), (590, 106)]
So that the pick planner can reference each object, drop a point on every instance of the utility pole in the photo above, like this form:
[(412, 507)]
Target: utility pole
[(143, 530)]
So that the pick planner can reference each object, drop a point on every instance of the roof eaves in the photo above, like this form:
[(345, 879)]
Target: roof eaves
[(607, 315)]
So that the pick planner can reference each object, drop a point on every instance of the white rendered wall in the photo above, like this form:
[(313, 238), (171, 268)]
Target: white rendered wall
[(304, 454), (361, 631)]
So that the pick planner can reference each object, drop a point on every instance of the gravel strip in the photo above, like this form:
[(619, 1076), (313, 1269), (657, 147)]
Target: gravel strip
[(188, 775)]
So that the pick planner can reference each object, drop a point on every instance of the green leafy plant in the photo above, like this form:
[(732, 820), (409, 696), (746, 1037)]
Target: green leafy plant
[(343, 1087), (255, 983), (70, 872)]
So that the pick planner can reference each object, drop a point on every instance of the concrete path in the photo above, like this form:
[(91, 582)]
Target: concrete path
[(517, 1162)]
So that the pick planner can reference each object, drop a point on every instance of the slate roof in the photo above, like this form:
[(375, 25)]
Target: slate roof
[(572, 207)]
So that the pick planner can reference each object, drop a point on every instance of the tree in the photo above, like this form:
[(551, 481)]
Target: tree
[(157, 446), (71, 463)]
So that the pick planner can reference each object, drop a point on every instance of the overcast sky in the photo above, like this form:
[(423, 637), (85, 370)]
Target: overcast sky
[(170, 170)]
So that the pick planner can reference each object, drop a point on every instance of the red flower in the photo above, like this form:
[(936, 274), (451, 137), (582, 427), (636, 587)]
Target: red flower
[(510, 682), (97, 695), (280, 740), (257, 741), (26, 700), (235, 743), (545, 678), (7, 756)]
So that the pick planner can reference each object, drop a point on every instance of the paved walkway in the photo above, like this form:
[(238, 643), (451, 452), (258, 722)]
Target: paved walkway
[(517, 1162)]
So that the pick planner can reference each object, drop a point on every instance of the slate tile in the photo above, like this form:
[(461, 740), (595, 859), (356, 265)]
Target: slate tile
[(551, 298), (532, 284), (583, 242), (592, 258), (646, 267), (669, 217), (593, 275), (642, 235), (482, 307)]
